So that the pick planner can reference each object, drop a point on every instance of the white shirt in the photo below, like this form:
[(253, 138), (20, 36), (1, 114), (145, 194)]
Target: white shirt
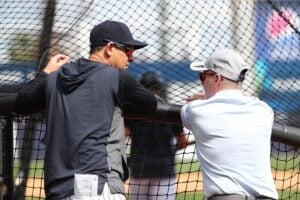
[(233, 134)]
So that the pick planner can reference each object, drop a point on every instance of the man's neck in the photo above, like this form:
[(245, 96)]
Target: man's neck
[(99, 58)]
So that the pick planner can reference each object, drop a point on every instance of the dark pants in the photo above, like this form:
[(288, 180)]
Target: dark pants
[(237, 197)]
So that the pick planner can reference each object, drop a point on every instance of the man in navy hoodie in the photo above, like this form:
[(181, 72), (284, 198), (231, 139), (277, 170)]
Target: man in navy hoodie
[(85, 102)]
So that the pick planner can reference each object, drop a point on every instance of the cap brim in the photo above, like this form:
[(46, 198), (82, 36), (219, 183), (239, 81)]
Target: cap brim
[(135, 44), (198, 66)]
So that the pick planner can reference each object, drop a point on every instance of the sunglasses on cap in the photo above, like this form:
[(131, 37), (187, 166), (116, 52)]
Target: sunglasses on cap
[(127, 49), (204, 74)]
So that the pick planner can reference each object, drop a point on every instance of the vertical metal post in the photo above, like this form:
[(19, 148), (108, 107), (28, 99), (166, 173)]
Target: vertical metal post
[(163, 29), (25, 158), (45, 38), (7, 156), (2, 184), (2, 125), (243, 37)]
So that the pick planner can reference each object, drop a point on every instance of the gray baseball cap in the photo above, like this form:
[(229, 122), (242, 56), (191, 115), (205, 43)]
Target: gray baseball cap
[(227, 62)]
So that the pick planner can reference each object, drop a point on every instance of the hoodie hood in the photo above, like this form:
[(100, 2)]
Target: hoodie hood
[(72, 75)]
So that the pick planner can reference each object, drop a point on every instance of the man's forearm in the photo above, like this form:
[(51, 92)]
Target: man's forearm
[(7, 102), (31, 97)]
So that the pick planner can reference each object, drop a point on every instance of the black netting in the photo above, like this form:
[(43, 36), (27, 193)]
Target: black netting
[(266, 32), (29, 154)]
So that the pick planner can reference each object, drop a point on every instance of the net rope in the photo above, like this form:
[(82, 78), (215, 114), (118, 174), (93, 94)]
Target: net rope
[(265, 32)]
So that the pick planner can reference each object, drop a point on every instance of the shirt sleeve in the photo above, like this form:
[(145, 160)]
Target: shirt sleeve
[(185, 116), (133, 97), (31, 97)]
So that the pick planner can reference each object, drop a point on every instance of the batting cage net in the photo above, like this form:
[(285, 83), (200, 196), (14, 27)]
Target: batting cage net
[(265, 32)]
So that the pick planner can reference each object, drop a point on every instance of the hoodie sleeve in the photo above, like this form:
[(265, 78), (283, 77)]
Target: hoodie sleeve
[(31, 97), (133, 97)]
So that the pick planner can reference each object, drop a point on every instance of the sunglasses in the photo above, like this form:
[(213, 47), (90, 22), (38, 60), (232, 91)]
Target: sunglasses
[(204, 74), (128, 50)]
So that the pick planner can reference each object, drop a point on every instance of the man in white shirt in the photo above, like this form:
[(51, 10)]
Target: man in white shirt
[(232, 131)]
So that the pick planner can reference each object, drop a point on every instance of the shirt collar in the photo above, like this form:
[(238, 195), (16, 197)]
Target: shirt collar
[(229, 93)]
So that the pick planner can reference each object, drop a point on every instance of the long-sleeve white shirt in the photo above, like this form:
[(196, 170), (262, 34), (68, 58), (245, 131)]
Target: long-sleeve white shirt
[(232, 133)]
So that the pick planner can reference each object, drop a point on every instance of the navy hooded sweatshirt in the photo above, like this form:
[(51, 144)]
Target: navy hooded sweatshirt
[(84, 103)]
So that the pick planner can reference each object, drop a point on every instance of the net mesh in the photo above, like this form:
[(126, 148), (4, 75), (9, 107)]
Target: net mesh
[(30, 149), (265, 32)]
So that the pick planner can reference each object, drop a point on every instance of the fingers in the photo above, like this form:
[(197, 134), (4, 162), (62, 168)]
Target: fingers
[(195, 97), (56, 62), (61, 59)]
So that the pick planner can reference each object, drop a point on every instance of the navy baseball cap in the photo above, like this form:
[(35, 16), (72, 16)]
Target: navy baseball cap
[(113, 31)]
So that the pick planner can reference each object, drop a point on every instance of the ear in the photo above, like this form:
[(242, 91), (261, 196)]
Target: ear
[(218, 81), (218, 78), (109, 49)]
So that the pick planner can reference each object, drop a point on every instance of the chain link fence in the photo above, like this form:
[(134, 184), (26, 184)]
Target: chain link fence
[(265, 32)]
